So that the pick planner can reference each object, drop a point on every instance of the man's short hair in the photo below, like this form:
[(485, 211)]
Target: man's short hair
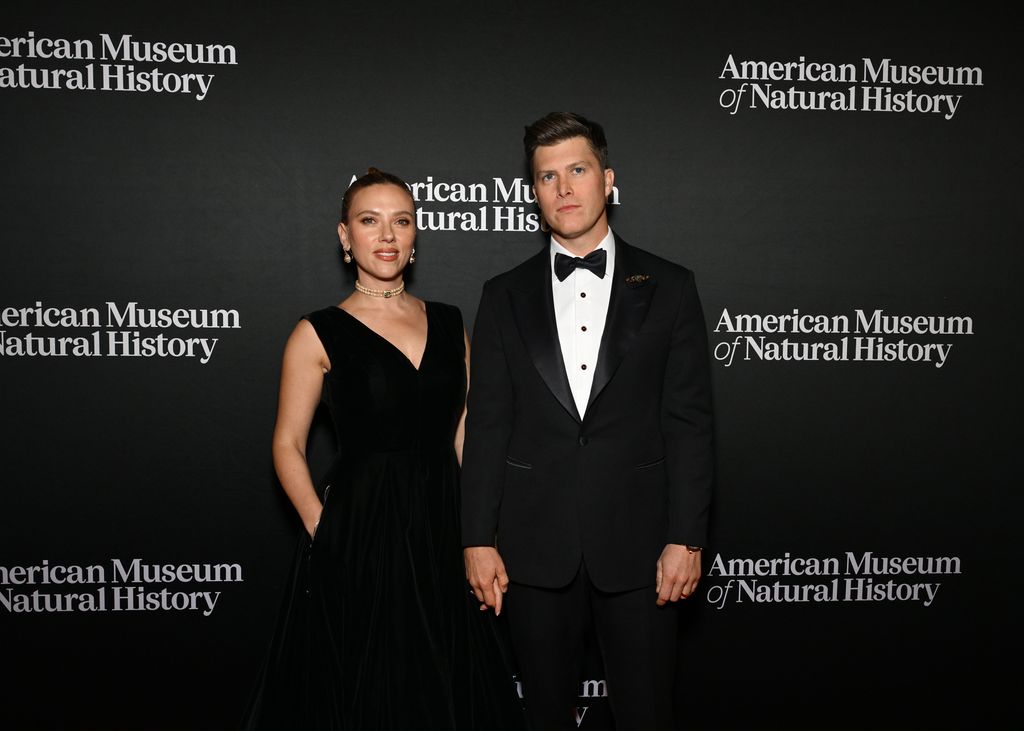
[(556, 127)]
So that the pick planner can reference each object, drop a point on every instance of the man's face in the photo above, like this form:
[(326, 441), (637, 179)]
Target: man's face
[(572, 191)]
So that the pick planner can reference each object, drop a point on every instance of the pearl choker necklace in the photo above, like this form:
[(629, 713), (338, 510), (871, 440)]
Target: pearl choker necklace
[(386, 293)]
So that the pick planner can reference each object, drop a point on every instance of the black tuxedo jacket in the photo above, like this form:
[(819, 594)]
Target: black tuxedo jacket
[(617, 485)]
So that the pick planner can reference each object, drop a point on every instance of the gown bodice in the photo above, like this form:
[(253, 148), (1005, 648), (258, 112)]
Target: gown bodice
[(378, 400)]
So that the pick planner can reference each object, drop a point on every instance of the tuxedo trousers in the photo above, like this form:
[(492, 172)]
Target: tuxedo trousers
[(637, 639)]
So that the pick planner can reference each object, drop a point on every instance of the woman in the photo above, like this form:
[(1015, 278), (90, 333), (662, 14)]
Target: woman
[(379, 629)]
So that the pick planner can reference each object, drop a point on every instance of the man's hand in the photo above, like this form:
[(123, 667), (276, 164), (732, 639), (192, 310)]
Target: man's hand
[(678, 573), (485, 572)]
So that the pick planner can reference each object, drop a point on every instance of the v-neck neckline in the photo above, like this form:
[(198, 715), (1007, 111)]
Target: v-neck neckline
[(399, 351)]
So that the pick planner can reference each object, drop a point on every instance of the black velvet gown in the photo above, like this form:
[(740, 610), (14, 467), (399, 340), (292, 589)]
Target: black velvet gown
[(378, 629)]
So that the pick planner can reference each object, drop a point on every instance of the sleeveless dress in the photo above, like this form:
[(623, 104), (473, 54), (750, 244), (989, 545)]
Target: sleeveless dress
[(378, 628)]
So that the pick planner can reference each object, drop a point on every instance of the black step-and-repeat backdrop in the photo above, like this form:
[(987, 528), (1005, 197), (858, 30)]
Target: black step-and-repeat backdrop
[(844, 179)]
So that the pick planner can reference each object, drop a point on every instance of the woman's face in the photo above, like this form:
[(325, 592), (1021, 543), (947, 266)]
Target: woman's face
[(380, 232)]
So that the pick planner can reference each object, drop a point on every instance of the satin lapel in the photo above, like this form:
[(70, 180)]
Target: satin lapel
[(534, 311), (627, 310)]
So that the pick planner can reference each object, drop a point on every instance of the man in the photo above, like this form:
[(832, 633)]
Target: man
[(588, 459)]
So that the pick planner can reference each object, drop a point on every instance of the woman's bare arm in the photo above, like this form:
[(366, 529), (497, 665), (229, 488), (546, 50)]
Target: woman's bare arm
[(460, 432), (302, 372)]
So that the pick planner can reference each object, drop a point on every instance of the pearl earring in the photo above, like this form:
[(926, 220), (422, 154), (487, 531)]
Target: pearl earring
[(412, 256)]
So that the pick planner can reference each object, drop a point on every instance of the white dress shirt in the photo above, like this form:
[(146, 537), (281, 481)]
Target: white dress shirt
[(581, 308)]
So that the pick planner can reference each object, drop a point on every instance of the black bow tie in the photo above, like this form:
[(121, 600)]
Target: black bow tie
[(594, 261)]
